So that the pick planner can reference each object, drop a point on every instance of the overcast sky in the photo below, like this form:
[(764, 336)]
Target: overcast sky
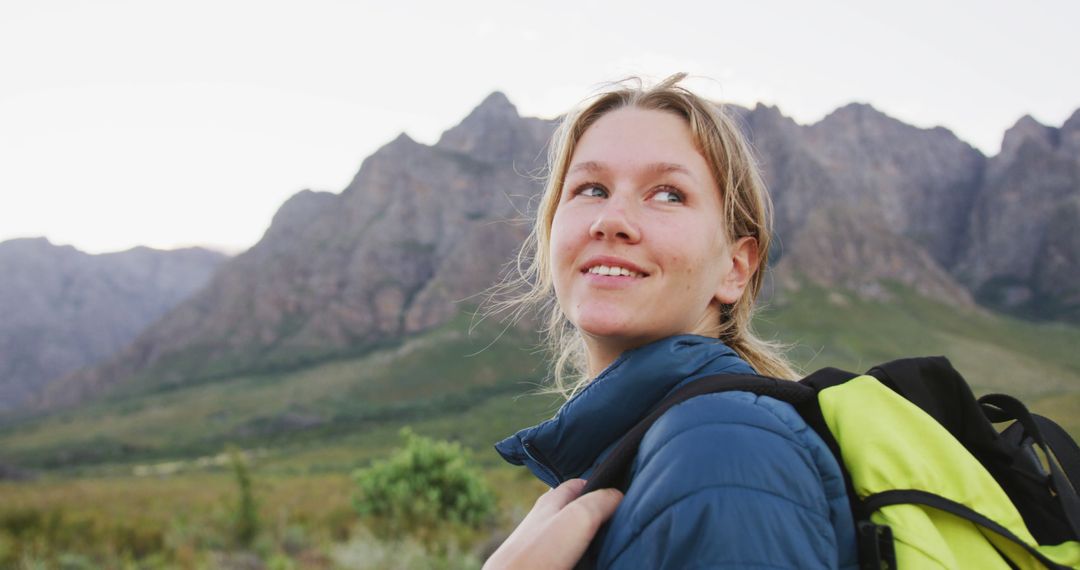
[(167, 124)]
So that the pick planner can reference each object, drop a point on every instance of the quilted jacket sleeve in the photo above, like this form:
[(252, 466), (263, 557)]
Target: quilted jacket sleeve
[(726, 481)]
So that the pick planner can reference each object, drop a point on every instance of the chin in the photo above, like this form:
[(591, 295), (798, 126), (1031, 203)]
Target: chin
[(620, 333), (603, 330)]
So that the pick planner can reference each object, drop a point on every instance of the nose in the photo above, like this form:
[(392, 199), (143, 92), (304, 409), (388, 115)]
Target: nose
[(615, 222)]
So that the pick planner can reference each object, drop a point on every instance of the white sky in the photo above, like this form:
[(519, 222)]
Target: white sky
[(177, 123)]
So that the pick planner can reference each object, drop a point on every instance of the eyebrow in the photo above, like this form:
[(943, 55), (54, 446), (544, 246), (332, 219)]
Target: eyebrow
[(652, 168)]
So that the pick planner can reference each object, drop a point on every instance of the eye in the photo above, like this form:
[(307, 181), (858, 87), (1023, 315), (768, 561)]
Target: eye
[(591, 190), (669, 195)]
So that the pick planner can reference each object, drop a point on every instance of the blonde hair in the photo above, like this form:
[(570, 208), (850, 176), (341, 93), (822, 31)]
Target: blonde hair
[(747, 210)]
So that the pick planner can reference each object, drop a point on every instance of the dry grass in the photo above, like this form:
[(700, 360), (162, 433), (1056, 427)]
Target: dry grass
[(184, 520)]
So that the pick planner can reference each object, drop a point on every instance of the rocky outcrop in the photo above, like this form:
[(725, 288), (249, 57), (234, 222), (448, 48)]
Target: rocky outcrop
[(495, 134), (918, 183), (853, 249), (921, 181), (63, 309), (862, 200), (797, 181), (419, 230), (1021, 245)]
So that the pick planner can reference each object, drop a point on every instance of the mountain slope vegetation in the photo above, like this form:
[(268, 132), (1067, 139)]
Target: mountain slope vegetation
[(475, 389)]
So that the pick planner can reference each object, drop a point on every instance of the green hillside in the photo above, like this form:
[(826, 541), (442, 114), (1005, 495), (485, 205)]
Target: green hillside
[(340, 412), (443, 374), (1037, 362)]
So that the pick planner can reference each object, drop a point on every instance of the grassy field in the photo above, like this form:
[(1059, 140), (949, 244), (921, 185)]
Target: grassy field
[(447, 382), (185, 520), (442, 374), (138, 479)]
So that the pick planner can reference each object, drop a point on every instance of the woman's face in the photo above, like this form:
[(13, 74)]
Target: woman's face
[(638, 247)]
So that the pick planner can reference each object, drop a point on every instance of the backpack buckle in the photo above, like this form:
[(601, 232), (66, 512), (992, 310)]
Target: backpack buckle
[(875, 546)]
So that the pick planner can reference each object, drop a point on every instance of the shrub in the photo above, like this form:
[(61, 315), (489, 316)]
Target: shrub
[(246, 515), (425, 485)]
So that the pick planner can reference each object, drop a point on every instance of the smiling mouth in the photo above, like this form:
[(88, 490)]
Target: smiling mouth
[(612, 271)]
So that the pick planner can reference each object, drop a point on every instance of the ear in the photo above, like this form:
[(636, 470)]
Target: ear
[(744, 264)]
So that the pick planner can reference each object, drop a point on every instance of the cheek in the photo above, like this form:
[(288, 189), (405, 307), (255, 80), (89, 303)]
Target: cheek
[(560, 252), (701, 267), (566, 236), (687, 271)]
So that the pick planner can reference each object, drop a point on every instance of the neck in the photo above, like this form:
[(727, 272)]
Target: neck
[(600, 355), (602, 351)]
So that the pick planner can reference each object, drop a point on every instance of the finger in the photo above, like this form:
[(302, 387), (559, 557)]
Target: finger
[(564, 493), (587, 513), (557, 542), (546, 506), (553, 501), (569, 533)]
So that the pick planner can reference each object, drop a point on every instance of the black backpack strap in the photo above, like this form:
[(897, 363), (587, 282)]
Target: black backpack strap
[(913, 496), (1061, 459), (1057, 439), (614, 470), (1064, 447), (938, 389), (811, 413), (874, 541)]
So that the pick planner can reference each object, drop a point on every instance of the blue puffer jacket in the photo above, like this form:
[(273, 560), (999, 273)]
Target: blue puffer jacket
[(729, 480)]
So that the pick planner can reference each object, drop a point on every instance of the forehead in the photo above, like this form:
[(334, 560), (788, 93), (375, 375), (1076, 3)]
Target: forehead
[(631, 136)]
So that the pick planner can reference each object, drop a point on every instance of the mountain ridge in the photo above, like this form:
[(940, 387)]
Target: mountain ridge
[(421, 227), (64, 309)]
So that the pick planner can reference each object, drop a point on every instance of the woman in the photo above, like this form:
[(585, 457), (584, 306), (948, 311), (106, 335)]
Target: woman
[(652, 240)]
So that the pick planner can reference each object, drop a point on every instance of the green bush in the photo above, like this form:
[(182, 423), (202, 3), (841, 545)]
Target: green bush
[(425, 485), (246, 515)]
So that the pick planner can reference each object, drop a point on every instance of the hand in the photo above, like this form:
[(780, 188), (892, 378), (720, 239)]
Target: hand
[(557, 530)]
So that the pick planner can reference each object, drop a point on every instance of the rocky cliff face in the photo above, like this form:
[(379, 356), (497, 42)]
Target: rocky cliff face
[(921, 181), (419, 229), (854, 249), (1021, 246), (63, 309), (861, 199)]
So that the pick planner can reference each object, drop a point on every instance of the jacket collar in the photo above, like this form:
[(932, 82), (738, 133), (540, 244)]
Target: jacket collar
[(567, 445)]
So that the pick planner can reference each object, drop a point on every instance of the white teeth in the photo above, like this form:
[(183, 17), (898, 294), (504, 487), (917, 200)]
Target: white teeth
[(611, 270)]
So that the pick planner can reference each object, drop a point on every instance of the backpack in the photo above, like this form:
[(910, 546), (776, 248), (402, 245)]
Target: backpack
[(931, 482)]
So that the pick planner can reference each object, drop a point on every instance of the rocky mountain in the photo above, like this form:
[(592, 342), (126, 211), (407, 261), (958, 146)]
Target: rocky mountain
[(918, 183), (854, 249), (64, 309), (862, 199), (1022, 249), (419, 229)]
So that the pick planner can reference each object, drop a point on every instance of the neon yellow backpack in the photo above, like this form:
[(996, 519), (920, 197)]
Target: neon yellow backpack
[(931, 482)]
